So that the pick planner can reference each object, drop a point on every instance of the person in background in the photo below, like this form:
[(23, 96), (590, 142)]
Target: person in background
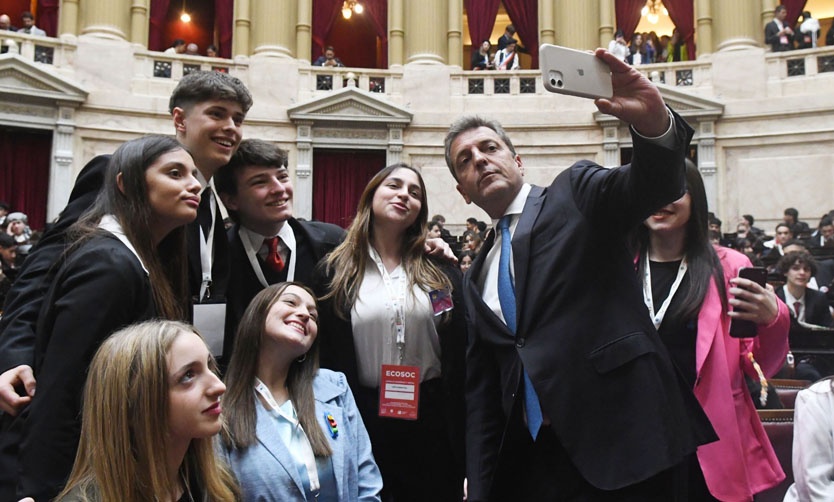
[(618, 46), (481, 59), (192, 49), (17, 225), (177, 47), (29, 27), (467, 256), (328, 58), (809, 32), (6, 23), (151, 409), (8, 266), (507, 58), (676, 48), (292, 432), (778, 34), (211, 51)]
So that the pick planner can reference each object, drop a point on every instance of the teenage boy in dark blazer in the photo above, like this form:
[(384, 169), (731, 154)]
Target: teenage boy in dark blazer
[(617, 417), (257, 190)]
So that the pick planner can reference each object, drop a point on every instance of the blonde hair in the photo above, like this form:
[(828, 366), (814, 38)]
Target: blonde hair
[(122, 454), (239, 430), (348, 261)]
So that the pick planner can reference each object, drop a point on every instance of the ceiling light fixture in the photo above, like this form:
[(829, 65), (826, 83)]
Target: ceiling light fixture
[(351, 6)]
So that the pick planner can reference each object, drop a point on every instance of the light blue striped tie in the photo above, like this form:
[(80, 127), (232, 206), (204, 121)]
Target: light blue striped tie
[(506, 297)]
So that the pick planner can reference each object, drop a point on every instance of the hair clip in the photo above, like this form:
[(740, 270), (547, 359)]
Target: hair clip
[(331, 422)]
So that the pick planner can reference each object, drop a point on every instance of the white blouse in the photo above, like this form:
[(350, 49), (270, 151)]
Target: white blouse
[(383, 298)]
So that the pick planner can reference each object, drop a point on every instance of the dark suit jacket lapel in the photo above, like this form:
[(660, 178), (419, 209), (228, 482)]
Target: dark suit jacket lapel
[(522, 240)]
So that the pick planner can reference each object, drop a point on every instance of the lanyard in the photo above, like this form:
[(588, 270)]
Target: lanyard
[(396, 301), (207, 248), (657, 318), (305, 455)]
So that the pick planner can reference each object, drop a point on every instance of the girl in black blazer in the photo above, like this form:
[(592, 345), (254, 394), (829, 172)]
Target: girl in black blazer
[(383, 304), (125, 263)]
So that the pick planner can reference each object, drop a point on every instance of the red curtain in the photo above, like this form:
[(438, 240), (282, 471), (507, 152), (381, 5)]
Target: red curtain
[(156, 30), (682, 13), (224, 20), (324, 13), (47, 17), (795, 8), (525, 17), (481, 14), (628, 15), (24, 172), (377, 10), (339, 178)]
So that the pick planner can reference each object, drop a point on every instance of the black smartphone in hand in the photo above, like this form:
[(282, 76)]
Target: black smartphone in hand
[(740, 328)]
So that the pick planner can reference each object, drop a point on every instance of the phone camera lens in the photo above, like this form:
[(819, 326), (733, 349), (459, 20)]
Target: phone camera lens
[(559, 83)]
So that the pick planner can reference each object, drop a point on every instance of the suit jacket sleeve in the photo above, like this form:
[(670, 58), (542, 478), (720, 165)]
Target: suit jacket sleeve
[(101, 289), (771, 33), (618, 199)]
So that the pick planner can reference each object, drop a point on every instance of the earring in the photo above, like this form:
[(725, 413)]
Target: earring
[(302, 358)]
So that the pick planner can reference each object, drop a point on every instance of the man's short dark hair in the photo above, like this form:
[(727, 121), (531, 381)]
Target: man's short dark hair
[(177, 42), (783, 224), (510, 28), (27, 15), (472, 221), (791, 211), (7, 241), (467, 123), (796, 258), (748, 218), (201, 86)]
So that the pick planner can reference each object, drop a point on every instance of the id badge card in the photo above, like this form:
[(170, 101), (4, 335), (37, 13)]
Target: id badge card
[(441, 301), (399, 391), (210, 321)]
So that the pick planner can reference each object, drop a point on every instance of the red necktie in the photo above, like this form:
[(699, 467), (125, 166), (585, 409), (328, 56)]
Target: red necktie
[(273, 258), (797, 308)]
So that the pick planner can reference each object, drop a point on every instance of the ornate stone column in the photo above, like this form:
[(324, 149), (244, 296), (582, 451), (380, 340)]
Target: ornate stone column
[(425, 39), (703, 27), (68, 18), (547, 31), (455, 34), (395, 144), (304, 30), (736, 24), (242, 29), (139, 24), (396, 33), (60, 173), (607, 17), (611, 145), (273, 27), (105, 18), (767, 12), (706, 161), (576, 24)]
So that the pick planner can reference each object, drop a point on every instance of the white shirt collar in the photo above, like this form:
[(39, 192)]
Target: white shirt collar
[(256, 240), (111, 224), (517, 205)]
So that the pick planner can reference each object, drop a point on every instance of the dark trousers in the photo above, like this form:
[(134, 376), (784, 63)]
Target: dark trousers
[(416, 457), (542, 471)]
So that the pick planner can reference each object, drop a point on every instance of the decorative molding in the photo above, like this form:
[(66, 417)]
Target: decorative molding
[(24, 81)]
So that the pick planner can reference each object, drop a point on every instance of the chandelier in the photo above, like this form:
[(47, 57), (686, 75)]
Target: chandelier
[(652, 9), (351, 6), (185, 17)]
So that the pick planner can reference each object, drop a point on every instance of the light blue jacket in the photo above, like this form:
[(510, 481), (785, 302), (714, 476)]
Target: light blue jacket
[(267, 471)]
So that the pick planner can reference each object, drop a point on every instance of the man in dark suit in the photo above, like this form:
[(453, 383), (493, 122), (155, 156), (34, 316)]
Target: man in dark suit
[(256, 189), (777, 33), (616, 421)]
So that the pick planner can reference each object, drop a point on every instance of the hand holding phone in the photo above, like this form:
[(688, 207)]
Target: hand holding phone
[(741, 328), (573, 72)]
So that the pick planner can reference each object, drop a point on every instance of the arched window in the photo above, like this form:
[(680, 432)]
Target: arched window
[(209, 23), (359, 41)]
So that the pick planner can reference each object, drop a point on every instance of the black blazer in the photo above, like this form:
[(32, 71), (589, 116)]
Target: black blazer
[(816, 307), (602, 374), (219, 265), (313, 241), (337, 352), (772, 39), (100, 288)]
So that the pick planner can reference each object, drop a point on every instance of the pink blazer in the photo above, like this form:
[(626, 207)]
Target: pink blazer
[(742, 462)]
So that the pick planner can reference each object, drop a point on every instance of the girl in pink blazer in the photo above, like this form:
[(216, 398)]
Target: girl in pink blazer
[(693, 292)]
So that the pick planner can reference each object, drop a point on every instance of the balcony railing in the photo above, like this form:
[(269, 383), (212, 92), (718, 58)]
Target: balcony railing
[(320, 80), (51, 51), (801, 63)]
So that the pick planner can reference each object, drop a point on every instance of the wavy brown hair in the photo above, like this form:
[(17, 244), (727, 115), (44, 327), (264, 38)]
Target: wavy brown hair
[(166, 262), (347, 262), (122, 455)]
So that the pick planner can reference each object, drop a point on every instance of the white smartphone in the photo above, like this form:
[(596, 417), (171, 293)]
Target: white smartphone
[(573, 72)]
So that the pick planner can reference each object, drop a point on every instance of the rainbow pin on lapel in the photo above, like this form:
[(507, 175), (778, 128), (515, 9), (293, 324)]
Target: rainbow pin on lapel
[(331, 422)]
